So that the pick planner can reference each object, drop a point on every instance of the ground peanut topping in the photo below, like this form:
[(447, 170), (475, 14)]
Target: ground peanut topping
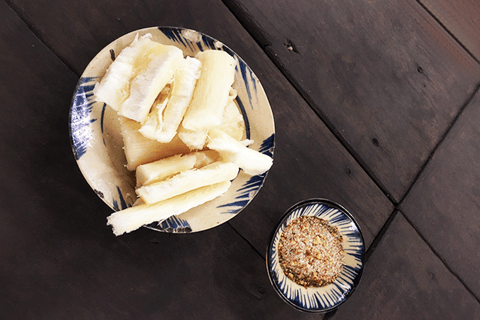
[(311, 251)]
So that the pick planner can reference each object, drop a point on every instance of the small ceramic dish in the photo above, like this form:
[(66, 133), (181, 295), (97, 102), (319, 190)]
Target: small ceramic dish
[(329, 297), (97, 143)]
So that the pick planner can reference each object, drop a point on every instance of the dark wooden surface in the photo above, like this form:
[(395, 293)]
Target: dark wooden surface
[(460, 18), (450, 221), (407, 280), (383, 74), (375, 105)]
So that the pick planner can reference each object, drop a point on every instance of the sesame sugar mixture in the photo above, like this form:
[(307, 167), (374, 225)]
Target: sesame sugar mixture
[(311, 251)]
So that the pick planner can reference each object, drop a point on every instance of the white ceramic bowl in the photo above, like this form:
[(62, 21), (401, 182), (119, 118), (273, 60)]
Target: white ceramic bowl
[(329, 297), (97, 143)]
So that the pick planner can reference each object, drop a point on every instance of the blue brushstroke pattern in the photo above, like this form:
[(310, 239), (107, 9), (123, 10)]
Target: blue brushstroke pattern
[(123, 203), (101, 121), (208, 41), (245, 117), (267, 146), (174, 225), (251, 187), (115, 205), (356, 251), (245, 70), (340, 218), (245, 195), (80, 115), (176, 36), (229, 51)]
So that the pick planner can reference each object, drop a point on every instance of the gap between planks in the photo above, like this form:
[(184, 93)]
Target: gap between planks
[(247, 241), (444, 27), (398, 210), (262, 40), (440, 257), (437, 145)]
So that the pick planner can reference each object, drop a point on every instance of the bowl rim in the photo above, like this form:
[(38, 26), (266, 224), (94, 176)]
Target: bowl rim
[(222, 46), (281, 221)]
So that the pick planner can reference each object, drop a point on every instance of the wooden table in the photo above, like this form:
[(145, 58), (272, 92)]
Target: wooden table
[(376, 107)]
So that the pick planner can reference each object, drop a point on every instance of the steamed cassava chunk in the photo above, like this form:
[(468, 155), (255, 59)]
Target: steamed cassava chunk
[(232, 123), (148, 83), (131, 219), (195, 140), (140, 150), (188, 180), (154, 118), (165, 168), (184, 82), (251, 161), (136, 77), (156, 72), (114, 88), (211, 92)]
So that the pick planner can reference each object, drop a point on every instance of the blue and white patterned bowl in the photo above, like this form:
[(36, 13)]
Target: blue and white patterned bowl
[(97, 143), (329, 297)]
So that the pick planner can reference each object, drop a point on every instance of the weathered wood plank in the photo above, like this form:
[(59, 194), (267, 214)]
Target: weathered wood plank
[(384, 74), (404, 279), (461, 18), (309, 162), (444, 203), (59, 260)]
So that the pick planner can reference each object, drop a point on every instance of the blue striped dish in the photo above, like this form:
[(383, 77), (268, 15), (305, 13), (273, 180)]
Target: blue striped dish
[(97, 143), (329, 297)]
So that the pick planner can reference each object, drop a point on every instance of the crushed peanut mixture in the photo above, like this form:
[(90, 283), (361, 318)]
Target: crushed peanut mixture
[(311, 251)]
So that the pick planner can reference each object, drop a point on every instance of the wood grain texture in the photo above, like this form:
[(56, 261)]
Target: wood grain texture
[(461, 18), (445, 202), (309, 162), (58, 258), (384, 75), (403, 279)]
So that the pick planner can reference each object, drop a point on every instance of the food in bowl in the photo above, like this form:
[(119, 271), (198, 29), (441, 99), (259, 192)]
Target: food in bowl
[(327, 297), (170, 106), (311, 252)]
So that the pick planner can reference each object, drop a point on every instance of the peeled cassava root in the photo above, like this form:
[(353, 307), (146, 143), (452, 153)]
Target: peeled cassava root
[(181, 128)]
